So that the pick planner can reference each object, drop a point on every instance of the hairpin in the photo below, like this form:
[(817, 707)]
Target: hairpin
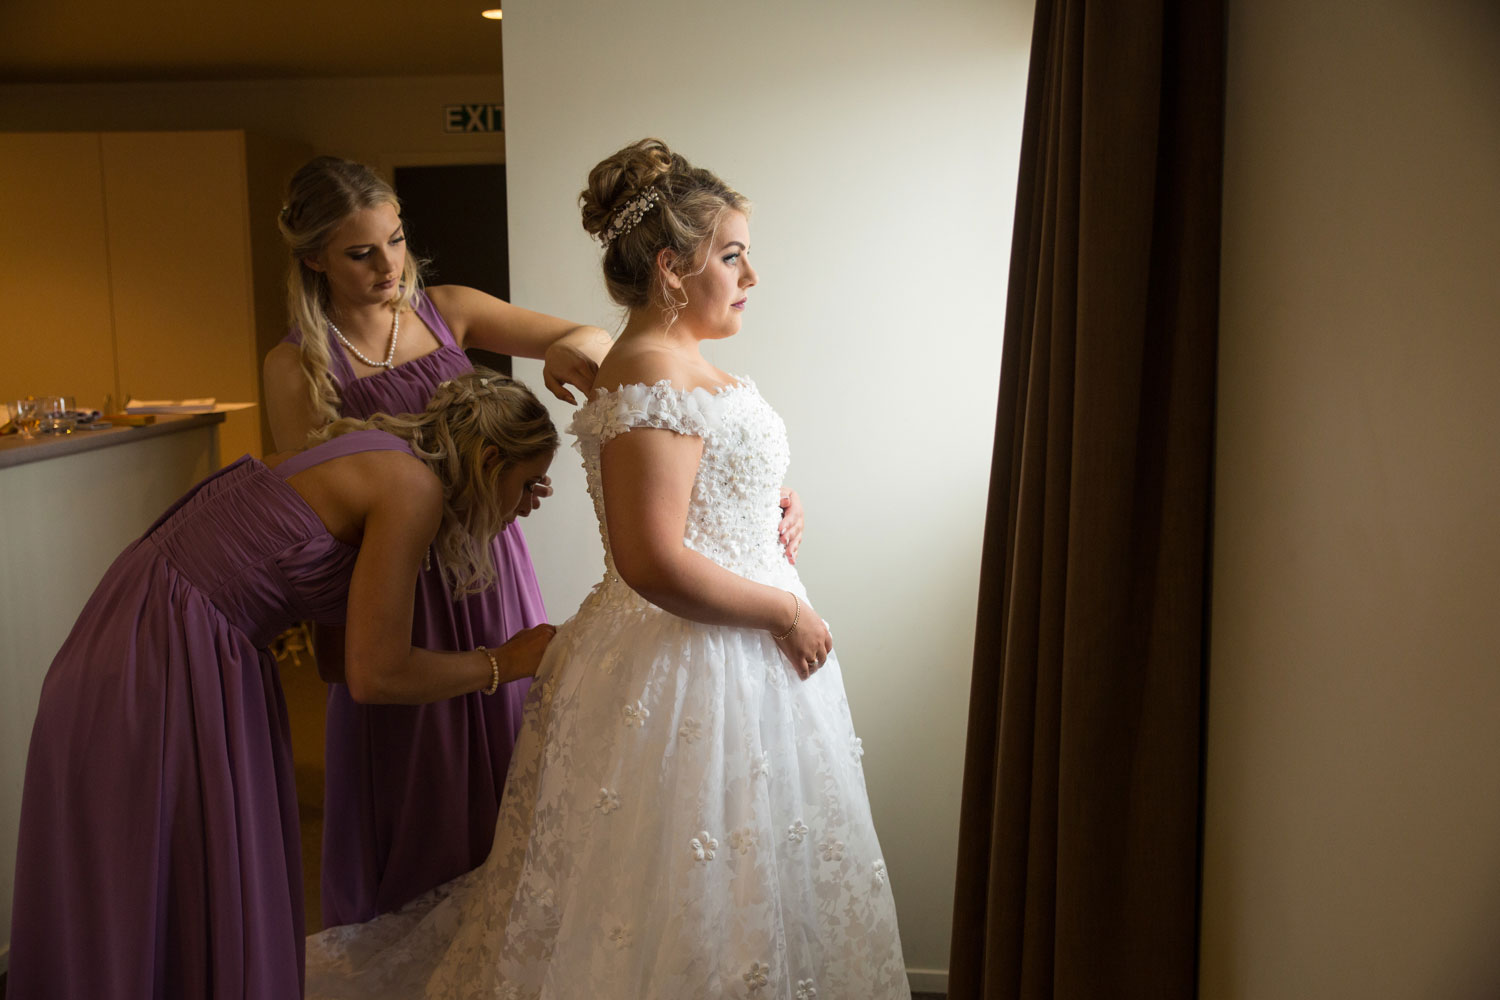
[(628, 216)]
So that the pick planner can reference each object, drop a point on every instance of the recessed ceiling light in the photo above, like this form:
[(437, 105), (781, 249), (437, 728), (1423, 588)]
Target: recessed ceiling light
[(493, 13)]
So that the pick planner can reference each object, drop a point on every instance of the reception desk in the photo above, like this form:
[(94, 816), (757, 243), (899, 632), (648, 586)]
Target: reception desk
[(68, 506)]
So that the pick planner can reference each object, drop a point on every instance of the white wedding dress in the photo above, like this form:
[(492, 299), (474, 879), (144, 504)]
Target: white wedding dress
[(684, 817)]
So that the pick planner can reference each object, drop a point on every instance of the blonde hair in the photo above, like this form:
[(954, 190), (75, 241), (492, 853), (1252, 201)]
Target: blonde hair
[(320, 196), (691, 202), (467, 415)]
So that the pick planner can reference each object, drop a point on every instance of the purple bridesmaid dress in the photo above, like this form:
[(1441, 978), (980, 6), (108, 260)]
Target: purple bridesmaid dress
[(411, 792), (159, 851)]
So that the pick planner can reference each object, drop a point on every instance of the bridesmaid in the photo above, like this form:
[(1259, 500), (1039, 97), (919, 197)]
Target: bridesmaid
[(411, 793), (159, 851)]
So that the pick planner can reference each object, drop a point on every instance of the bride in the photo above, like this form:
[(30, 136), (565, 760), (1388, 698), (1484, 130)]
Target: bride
[(686, 814)]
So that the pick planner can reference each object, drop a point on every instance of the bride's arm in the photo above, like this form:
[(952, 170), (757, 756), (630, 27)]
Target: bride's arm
[(648, 475)]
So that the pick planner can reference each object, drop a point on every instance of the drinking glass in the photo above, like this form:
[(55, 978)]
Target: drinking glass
[(25, 413), (58, 414)]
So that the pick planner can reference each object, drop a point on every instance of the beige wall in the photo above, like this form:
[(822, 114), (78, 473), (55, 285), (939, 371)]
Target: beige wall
[(1353, 809), (879, 143), (376, 120)]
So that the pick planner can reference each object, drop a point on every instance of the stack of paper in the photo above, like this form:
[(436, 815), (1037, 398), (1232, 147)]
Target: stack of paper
[(205, 405)]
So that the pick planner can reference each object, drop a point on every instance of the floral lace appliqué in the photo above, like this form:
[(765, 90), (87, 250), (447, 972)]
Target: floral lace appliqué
[(758, 976), (621, 936), (703, 846), (742, 841)]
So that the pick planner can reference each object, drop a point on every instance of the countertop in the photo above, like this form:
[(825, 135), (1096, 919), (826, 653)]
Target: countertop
[(16, 450)]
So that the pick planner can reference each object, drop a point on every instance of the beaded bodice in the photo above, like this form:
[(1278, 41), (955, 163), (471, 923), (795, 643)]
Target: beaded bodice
[(735, 506)]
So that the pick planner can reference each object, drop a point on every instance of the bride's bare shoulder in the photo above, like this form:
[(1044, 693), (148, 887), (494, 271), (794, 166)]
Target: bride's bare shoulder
[(644, 365)]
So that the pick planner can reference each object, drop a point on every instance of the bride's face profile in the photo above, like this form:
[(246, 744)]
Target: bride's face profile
[(718, 288)]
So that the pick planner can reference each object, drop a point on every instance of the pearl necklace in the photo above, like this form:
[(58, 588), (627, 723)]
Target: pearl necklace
[(390, 352)]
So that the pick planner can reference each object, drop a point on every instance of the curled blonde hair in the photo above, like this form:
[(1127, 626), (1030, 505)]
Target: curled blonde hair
[(320, 196), (467, 415), (691, 203)]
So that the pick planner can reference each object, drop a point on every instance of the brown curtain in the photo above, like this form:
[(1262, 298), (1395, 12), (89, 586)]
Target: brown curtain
[(1079, 840)]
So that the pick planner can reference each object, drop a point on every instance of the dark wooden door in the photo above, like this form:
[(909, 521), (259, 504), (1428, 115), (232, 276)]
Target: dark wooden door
[(456, 221)]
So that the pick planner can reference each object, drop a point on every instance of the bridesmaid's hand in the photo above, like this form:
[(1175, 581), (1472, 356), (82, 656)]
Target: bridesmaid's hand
[(539, 491), (522, 652), (573, 359), (790, 530), (809, 644)]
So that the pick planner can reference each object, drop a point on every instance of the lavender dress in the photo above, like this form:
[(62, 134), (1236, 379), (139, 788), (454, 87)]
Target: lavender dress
[(159, 850), (411, 792)]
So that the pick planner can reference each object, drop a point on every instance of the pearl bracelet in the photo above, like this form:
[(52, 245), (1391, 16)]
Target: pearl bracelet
[(796, 617), (494, 670)]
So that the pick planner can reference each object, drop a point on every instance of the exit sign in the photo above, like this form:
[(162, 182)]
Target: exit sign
[(473, 118)]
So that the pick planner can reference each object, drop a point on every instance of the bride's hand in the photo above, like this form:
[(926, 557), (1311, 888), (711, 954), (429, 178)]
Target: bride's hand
[(790, 528), (522, 653), (809, 644)]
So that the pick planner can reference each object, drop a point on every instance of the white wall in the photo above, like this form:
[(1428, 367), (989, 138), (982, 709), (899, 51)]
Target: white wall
[(1353, 796), (49, 570), (879, 142)]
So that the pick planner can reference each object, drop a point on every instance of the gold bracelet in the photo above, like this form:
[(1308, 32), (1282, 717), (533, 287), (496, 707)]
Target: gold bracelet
[(494, 670), (796, 617)]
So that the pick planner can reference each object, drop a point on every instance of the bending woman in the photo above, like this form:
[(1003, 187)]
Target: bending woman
[(411, 792), (159, 850)]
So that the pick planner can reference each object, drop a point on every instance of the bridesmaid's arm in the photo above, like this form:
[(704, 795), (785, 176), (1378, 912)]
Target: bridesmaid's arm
[(380, 663), (288, 407), (570, 352), (647, 475)]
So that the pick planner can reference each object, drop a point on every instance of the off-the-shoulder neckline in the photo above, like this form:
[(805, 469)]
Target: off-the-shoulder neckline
[(736, 382)]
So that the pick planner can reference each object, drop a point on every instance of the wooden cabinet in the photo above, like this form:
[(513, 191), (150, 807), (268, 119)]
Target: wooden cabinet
[(126, 270), (54, 268)]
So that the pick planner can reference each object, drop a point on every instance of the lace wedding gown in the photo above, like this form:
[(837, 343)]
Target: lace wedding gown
[(684, 817)]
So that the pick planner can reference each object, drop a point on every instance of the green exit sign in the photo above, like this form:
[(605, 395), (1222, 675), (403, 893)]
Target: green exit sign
[(473, 118)]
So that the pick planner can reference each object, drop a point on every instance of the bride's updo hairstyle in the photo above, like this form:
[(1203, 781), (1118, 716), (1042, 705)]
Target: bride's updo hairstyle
[(645, 199), (466, 415)]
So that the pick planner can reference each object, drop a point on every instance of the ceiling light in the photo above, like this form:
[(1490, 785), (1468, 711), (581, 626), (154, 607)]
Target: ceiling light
[(493, 13)]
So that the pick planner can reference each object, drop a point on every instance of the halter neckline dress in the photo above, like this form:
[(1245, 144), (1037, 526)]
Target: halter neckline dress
[(159, 852), (411, 792)]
